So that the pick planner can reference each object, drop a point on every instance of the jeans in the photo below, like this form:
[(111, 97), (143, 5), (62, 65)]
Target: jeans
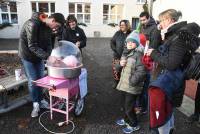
[(166, 128), (34, 71)]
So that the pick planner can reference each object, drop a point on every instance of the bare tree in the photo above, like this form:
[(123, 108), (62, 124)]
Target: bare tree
[(148, 6)]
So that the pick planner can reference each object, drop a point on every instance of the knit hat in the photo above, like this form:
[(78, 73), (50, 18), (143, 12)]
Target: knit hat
[(143, 39), (133, 37)]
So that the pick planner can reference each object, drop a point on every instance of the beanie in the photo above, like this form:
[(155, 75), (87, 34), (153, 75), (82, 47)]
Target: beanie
[(133, 37), (143, 39)]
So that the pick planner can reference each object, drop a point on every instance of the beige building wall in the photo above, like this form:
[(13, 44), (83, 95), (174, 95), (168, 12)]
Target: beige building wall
[(189, 8), (130, 9)]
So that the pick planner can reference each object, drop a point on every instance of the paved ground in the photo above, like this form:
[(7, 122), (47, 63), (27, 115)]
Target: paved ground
[(102, 103)]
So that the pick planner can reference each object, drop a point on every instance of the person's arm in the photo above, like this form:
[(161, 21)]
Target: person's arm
[(139, 73), (83, 39), (174, 59), (32, 39), (113, 44)]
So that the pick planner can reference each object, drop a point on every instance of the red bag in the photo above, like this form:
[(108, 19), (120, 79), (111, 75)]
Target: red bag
[(160, 109)]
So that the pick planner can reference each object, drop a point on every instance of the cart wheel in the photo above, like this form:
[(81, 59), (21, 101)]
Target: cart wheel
[(79, 105)]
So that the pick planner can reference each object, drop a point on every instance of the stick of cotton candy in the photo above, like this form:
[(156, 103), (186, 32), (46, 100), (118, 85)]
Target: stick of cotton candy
[(70, 61)]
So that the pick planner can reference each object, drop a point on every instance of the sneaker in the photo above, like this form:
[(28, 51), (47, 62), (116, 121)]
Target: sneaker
[(121, 122), (36, 109), (130, 129), (193, 118), (44, 104)]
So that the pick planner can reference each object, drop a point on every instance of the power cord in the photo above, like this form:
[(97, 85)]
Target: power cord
[(59, 124)]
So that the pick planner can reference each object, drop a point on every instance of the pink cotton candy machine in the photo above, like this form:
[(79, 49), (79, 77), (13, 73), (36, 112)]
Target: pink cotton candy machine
[(65, 61)]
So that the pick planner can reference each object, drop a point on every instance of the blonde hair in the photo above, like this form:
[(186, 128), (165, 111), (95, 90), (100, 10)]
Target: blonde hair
[(171, 14)]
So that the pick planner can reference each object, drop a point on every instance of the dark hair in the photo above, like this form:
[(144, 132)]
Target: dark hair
[(127, 23), (58, 18), (71, 18), (146, 14)]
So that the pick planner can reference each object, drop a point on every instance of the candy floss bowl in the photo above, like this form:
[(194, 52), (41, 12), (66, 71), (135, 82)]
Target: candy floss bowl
[(65, 61)]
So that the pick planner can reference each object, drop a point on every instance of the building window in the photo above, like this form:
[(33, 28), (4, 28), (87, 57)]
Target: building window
[(46, 7), (112, 13), (8, 13), (141, 1), (81, 11), (135, 22)]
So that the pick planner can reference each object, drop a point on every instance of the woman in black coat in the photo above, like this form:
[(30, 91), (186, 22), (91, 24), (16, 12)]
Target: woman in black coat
[(170, 58), (73, 33), (117, 44)]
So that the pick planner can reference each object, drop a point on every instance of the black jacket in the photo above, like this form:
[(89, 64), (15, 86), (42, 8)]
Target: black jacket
[(35, 41), (75, 35), (117, 43), (152, 33), (177, 51)]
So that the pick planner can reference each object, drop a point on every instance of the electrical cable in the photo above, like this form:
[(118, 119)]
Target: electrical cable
[(59, 124)]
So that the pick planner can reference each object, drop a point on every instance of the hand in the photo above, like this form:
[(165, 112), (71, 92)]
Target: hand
[(149, 51), (123, 62), (78, 44)]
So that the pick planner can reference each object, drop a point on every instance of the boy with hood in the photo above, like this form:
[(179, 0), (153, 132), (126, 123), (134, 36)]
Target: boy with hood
[(131, 81)]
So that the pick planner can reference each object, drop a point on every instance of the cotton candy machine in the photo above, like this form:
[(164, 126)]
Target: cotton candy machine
[(65, 61)]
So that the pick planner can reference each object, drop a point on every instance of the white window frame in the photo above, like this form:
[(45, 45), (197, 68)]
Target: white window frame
[(9, 14), (115, 14), (140, 1), (49, 6), (83, 11)]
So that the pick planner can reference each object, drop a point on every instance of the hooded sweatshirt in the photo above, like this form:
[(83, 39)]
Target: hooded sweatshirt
[(152, 33)]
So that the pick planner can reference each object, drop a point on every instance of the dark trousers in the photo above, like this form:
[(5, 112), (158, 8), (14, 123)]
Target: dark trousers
[(129, 104), (143, 100), (197, 100)]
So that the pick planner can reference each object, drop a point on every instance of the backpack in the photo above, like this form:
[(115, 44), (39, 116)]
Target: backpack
[(189, 34)]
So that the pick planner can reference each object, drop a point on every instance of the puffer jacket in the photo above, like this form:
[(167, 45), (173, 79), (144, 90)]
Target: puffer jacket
[(152, 33), (171, 59), (133, 74), (177, 51), (35, 42), (117, 43)]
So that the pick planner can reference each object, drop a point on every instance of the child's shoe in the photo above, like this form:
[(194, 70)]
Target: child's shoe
[(130, 129), (121, 122)]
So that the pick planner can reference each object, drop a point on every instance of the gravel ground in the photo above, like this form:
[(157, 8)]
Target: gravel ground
[(102, 106)]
